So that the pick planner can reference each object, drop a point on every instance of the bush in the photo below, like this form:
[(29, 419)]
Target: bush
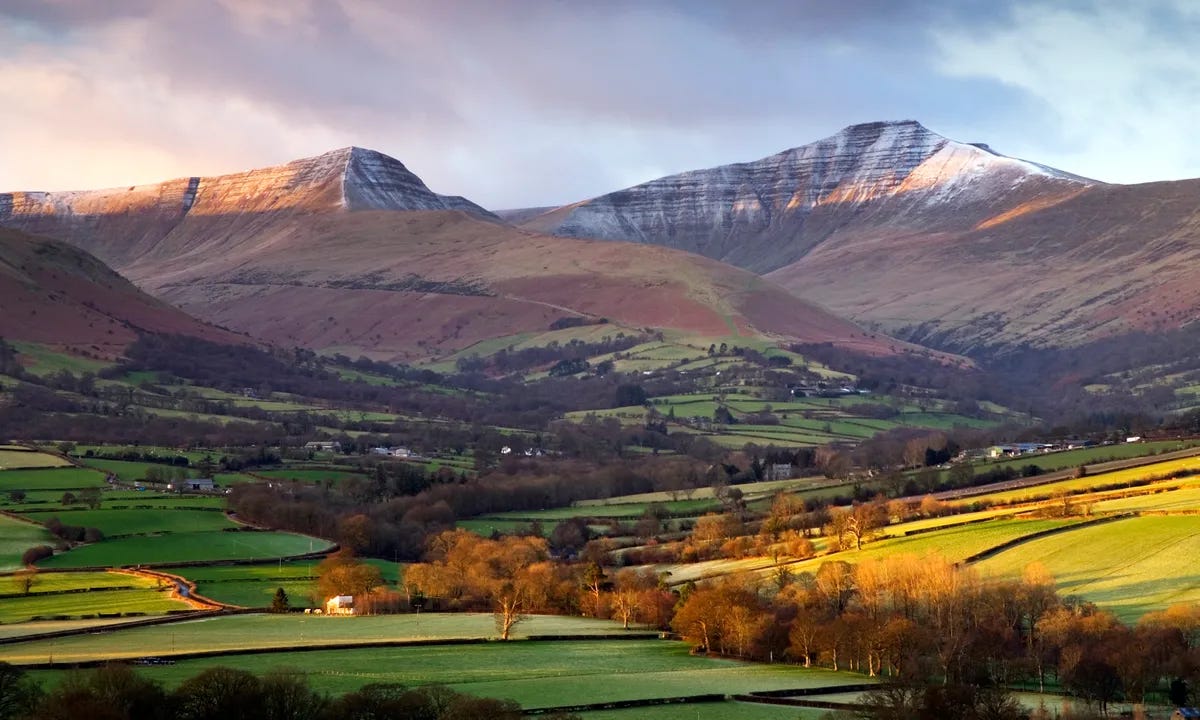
[(36, 554)]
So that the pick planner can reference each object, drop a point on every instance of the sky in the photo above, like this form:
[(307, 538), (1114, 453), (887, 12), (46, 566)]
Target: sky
[(520, 103)]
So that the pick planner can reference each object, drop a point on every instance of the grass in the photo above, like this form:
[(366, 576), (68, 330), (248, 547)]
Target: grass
[(1086, 456), (728, 710), (11, 459), (47, 361), (241, 632), (535, 674), (955, 544), (50, 479), (185, 547), (130, 521), (1117, 477), (111, 594), (15, 538), (1130, 566), (128, 471), (310, 475), (255, 585)]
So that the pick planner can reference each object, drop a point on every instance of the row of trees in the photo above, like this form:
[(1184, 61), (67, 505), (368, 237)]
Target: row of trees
[(911, 619), (116, 692)]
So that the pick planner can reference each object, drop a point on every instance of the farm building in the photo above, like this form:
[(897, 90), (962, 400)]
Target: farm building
[(780, 471), (340, 605), (997, 451), (193, 485), (324, 445)]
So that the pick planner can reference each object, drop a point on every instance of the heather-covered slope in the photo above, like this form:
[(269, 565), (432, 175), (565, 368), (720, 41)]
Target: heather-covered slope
[(55, 294)]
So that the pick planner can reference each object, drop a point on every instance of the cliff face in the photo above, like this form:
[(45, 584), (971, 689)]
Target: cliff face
[(766, 214), (121, 225)]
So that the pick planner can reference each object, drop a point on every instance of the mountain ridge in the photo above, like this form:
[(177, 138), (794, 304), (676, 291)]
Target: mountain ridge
[(349, 251)]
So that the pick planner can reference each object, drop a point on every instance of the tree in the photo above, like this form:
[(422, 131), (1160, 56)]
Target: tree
[(18, 692), (279, 603), (90, 497), (24, 579), (68, 498), (341, 573), (629, 394), (220, 693)]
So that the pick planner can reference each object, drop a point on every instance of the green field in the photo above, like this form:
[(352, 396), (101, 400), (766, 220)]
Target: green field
[(1118, 477), (240, 632), (13, 459), (15, 538), (185, 547), (535, 674), (954, 544), (109, 593), (318, 475), (129, 472), (131, 521), (1130, 566), (50, 479), (46, 361), (255, 585)]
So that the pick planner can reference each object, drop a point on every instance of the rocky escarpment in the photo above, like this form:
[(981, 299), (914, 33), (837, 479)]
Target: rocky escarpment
[(141, 220), (766, 214)]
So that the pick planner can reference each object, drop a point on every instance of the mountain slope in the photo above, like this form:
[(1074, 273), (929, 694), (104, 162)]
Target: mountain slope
[(766, 214), (930, 239), (58, 295), (350, 252)]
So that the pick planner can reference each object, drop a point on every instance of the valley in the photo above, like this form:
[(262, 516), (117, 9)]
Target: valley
[(343, 433)]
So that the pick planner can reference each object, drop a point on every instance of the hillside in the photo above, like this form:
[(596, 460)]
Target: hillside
[(939, 241), (57, 295), (350, 252)]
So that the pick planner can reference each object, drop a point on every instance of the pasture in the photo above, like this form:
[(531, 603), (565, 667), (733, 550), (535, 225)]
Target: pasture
[(129, 472), (13, 459), (266, 631), (139, 521), (1119, 477), (186, 547), (60, 478), (533, 673), (75, 595), (1130, 566), (15, 538), (254, 585), (310, 474)]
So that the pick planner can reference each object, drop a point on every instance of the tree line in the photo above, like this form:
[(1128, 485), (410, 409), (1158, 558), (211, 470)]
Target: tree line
[(117, 692)]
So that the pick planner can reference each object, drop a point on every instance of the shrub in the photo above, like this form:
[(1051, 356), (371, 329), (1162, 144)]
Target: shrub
[(36, 553)]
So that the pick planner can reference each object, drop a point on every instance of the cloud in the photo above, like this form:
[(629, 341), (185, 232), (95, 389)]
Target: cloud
[(1115, 84), (522, 103)]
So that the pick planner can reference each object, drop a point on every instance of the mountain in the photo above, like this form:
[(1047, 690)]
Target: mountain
[(937, 241), (58, 295), (351, 252)]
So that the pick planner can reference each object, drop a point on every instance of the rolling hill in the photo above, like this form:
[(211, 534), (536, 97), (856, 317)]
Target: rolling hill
[(937, 241), (351, 252), (57, 295)]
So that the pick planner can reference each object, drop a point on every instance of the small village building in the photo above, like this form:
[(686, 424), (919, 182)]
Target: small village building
[(780, 471), (340, 605), (401, 452), (324, 445), (193, 485), (381, 451)]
